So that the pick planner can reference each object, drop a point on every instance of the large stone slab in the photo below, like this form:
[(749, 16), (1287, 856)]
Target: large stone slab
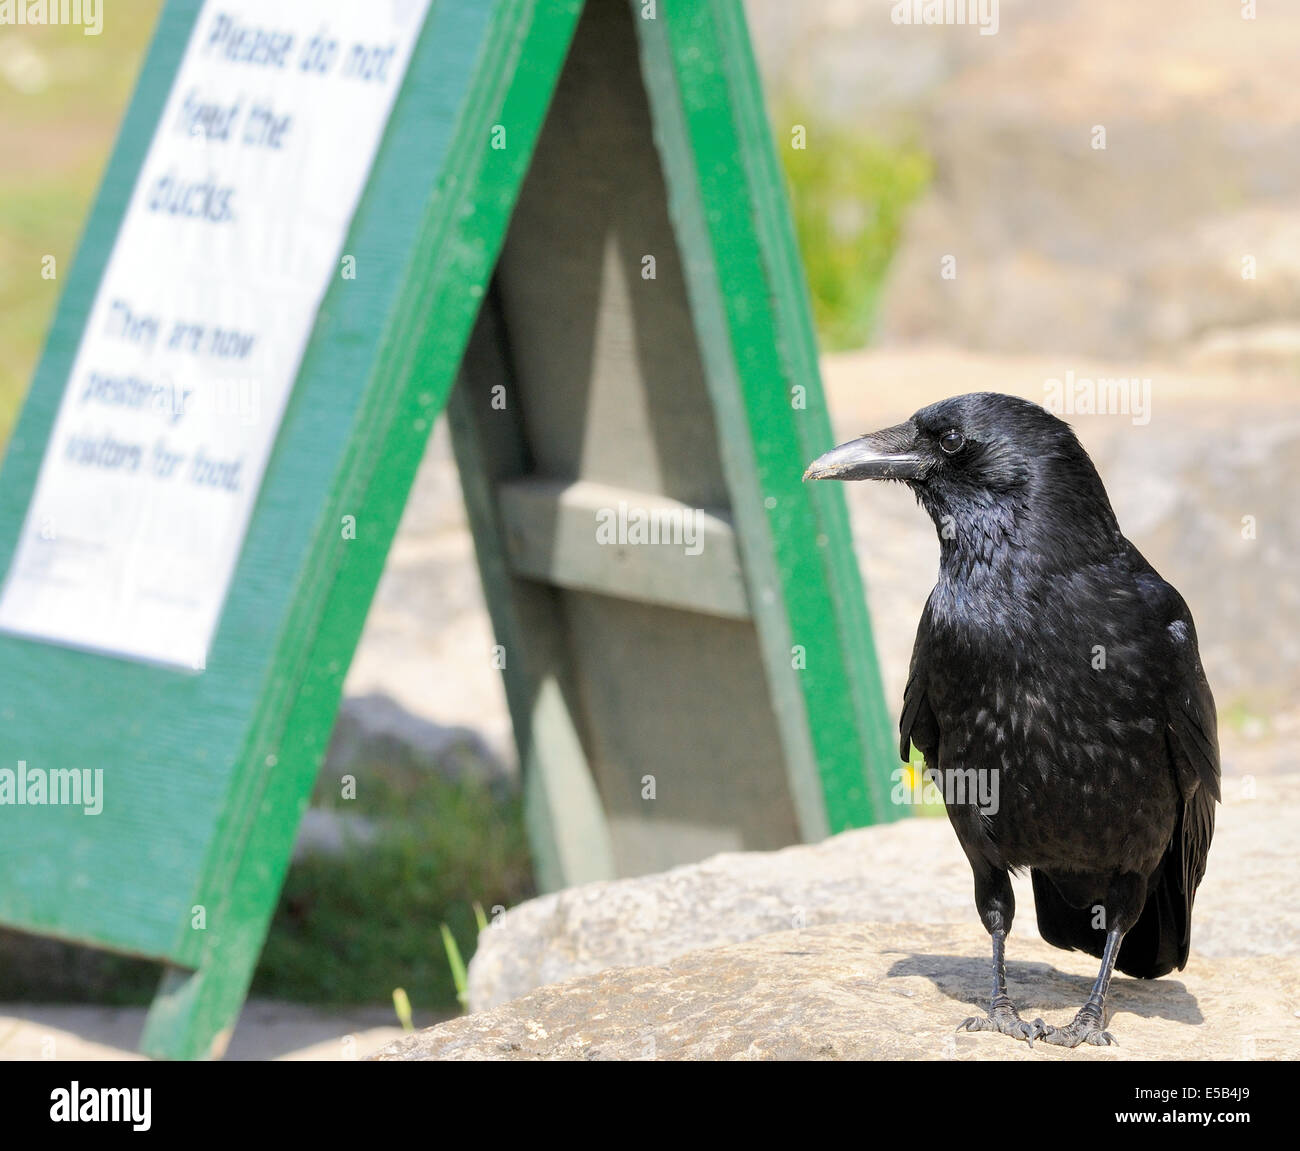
[(909, 872), (874, 991)]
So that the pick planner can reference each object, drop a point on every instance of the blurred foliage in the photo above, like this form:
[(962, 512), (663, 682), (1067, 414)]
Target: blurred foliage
[(350, 927), (402, 1008), (62, 96), (39, 970), (849, 194), (459, 972), (1244, 718)]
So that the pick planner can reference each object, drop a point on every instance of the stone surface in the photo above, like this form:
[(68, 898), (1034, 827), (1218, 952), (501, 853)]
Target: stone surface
[(1133, 249), (908, 872), (267, 1029), (874, 991)]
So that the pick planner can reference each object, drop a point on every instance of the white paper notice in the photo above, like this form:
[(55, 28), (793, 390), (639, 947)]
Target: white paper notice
[(234, 231)]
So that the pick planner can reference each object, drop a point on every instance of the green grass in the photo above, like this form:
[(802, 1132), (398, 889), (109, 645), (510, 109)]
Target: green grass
[(459, 972), (849, 195), (352, 927), (402, 1008), (31, 222)]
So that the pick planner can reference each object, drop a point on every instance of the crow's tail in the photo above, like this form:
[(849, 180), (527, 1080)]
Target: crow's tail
[(1156, 944)]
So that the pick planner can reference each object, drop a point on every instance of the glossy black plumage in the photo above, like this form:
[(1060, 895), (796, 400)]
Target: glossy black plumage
[(1051, 654)]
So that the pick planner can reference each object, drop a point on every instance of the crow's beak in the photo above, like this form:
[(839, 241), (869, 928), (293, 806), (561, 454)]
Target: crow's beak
[(891, 454)]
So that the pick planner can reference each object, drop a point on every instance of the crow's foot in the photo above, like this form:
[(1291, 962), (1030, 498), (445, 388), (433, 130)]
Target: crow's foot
[(1084, 1028), (1004, 1018)]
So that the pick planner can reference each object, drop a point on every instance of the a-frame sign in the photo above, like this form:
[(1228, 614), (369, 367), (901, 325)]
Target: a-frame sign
[(323, 223)]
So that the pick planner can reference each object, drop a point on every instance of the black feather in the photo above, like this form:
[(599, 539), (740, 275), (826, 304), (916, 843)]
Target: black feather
[(1051, 654)]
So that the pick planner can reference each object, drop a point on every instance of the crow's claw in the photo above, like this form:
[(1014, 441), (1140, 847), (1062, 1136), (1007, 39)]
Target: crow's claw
[(1083, 1029), (1005, 1020)]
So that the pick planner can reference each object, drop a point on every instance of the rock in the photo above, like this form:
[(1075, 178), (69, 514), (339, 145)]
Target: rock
[(375, 728), (1272, 346), (1133, 249), (323, 832), (874, 991), (849, 63), (907, 872)]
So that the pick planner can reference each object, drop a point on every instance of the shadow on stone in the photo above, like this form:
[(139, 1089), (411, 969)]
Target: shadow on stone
[(1036, 988)]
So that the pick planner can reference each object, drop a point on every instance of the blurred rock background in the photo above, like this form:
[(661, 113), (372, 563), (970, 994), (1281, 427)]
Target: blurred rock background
[(922, 143)]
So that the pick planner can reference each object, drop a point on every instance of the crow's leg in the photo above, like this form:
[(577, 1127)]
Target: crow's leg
[(1002, 1014), (1124, 899), (997, 908), (1087, 1026)]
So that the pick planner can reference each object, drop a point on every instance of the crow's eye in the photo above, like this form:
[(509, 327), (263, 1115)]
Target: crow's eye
[(952, 442)]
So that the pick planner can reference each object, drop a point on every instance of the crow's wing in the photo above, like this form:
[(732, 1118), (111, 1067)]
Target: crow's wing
[(1191, 724), (1161, 939), (1193, 749), (918, 724)]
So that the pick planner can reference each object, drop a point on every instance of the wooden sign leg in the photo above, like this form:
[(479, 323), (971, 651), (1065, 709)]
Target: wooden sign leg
[(566, 820), (190, 1017)]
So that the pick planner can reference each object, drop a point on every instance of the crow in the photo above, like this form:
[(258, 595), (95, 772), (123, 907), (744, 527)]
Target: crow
[(1053, 658)]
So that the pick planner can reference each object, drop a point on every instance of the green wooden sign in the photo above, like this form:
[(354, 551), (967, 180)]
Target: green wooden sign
[(567, 228)]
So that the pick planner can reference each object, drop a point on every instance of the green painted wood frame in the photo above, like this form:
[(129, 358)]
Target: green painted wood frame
[(749, 300), (206, 776), (752, 322)]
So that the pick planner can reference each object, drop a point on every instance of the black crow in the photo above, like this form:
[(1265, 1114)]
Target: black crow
[(1053, 660)]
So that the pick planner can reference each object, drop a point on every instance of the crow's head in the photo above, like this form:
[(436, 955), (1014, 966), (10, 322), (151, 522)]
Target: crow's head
[(992, 470)]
